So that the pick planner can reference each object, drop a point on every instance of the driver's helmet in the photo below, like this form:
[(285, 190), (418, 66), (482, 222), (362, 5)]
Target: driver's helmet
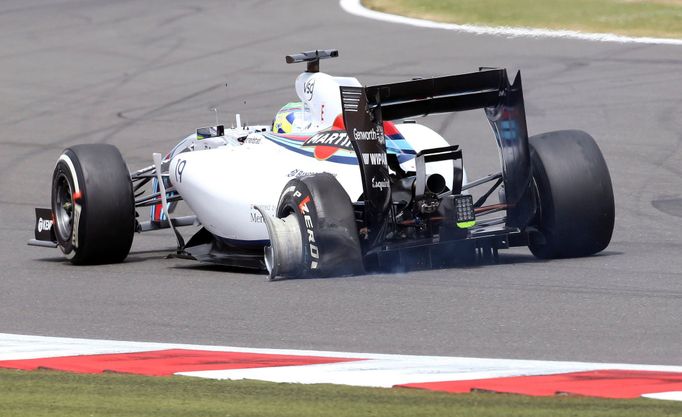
[(289, 118)]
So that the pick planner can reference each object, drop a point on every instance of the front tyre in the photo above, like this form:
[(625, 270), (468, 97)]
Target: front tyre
[(93, 204), (575, 197)]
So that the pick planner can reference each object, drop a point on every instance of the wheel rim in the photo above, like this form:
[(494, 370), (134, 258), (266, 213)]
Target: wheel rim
[(63, 208)]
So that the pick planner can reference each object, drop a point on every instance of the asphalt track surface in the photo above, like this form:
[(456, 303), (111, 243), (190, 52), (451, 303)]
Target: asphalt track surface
[(141, 75)]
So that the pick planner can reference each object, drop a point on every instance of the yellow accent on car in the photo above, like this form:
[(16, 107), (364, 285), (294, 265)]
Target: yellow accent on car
[(466, 225)]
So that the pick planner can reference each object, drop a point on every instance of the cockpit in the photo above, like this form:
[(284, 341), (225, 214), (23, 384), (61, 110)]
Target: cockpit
[(319, 95)]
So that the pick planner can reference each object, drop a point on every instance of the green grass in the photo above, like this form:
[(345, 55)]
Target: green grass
[(56, 394), (658, 18)]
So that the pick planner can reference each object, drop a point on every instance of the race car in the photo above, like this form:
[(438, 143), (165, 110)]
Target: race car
[(343, 182)]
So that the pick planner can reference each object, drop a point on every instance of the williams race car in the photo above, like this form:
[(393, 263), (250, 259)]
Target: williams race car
[(341, 183)]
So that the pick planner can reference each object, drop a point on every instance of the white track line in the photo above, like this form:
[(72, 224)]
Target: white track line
[(400, 370), (354, 7), (672, 396)]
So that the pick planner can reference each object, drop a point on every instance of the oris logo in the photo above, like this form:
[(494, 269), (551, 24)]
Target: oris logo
[(44, 225)]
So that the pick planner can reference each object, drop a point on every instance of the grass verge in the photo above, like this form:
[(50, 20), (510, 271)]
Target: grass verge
[(656, 18), (56, 394)]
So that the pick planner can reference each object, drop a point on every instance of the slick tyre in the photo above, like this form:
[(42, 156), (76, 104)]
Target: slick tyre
[(93, 204), (316, 211), (575, 198)]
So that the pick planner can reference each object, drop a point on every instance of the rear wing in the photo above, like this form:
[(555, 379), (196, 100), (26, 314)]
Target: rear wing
[(365, 109), (438, 95)]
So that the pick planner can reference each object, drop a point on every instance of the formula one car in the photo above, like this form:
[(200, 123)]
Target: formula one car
[(342, 183)]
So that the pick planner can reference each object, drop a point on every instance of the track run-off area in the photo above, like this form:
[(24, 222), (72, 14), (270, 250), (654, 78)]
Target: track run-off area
[(143, 76)]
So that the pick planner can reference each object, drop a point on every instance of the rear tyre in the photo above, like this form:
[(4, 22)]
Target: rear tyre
[(315, 234), (575, 197), (93, 204)]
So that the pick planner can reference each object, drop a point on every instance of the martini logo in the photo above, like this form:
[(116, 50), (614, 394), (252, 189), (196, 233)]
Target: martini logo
[(327, 143)]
